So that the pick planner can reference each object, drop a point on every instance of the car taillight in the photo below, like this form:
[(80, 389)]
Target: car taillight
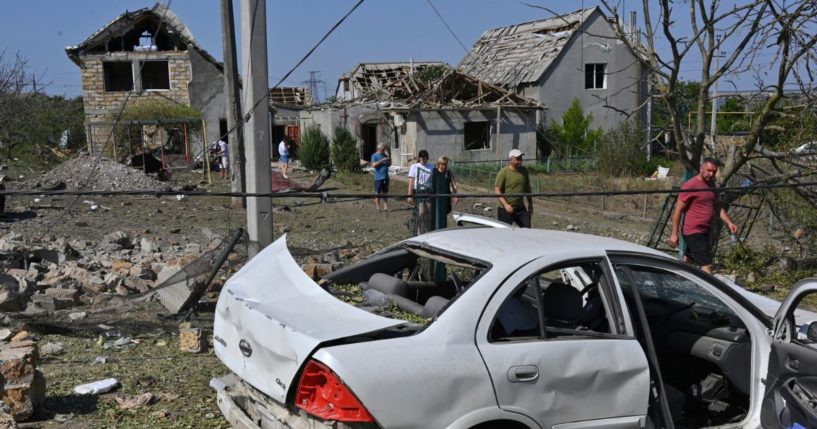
[(322, 394)]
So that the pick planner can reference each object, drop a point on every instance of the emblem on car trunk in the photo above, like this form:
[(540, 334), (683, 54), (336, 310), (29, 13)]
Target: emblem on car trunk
[(245, 348)]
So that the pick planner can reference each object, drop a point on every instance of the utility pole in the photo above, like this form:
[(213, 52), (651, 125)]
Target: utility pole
[(257, 124), (231, 90)]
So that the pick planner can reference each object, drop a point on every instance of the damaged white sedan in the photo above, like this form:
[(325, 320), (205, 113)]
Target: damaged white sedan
[(509, 328)]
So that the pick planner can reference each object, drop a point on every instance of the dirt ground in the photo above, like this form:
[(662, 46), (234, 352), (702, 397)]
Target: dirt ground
[(151, 361)]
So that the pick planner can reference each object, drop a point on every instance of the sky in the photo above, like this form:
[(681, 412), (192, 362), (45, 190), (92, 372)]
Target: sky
[(379, 30)]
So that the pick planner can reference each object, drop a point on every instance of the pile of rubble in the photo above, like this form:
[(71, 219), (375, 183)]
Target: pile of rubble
[(100, 174), (62, 274)]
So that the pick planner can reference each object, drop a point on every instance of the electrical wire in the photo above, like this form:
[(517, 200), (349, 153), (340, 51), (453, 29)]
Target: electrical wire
[(327, 195), (447, 26)]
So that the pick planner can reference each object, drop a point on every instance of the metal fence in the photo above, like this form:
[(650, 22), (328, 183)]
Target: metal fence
[(483, 173)]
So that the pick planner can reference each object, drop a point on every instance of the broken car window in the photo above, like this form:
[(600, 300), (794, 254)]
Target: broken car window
[(561, 302), (414, 284)]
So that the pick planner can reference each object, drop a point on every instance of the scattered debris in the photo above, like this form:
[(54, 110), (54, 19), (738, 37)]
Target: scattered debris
[(23, 383), (97, 387), (51, 349), (136, 401), (191, 340)]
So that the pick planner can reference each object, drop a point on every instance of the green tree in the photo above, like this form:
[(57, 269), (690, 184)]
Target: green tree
[(345, 155), (314, 148), (574, 136), (621, 152)]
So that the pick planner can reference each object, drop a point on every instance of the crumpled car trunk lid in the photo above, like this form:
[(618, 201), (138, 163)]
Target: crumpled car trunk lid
[(271, 316)]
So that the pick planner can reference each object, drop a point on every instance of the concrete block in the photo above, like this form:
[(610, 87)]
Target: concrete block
[(192, 340)]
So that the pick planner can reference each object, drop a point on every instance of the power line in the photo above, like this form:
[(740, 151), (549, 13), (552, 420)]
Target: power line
[(327, 195), (447, 26)]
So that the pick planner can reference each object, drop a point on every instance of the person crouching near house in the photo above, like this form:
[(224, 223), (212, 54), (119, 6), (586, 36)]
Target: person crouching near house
[(380, 163), (514, 179)]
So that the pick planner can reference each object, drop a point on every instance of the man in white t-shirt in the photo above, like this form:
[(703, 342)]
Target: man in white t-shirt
[(224, 154), (283, 153), (419, 184)]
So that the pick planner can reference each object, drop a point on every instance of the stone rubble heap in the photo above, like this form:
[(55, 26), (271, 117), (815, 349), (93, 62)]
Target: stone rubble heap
[(101, 174), (66, 273)]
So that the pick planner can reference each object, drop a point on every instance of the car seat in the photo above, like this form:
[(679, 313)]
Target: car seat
[(562, 305)]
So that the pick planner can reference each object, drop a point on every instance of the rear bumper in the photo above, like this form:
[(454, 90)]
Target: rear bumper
[(247, 409)]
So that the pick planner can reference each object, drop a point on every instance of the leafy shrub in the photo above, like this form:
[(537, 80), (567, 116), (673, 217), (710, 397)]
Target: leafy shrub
[(314, 148), (345, 155), (573, 136), (621, 152)]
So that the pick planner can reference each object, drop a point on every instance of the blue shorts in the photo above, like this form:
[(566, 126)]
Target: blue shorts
[(284, 159), (381, 186)]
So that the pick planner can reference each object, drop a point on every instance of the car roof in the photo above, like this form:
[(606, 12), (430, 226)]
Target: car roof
[(492, 244)]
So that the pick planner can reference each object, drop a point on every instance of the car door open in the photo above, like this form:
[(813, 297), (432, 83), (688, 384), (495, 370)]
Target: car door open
[(790, 400)]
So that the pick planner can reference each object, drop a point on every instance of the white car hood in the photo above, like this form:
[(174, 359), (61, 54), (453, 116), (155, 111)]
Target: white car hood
[(279, 316)]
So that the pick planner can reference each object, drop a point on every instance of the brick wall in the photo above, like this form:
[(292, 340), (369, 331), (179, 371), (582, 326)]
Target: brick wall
[(103, 106)]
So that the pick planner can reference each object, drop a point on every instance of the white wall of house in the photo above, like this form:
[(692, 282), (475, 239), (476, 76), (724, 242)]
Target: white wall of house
[(442, 132), (624, 85)]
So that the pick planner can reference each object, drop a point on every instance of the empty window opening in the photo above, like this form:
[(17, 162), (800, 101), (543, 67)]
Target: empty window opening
[(155, 75), (477, 135), (118, 76), (595, 76)]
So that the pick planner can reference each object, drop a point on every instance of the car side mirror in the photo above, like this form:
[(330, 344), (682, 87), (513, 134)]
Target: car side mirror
[(811, 333)]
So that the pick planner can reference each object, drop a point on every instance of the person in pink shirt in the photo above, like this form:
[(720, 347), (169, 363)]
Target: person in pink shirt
[(698, 201)]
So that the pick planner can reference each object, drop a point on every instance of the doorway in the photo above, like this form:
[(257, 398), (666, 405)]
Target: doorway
[(368, 133)]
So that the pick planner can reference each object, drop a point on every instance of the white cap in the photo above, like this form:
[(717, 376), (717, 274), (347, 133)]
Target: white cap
[(515, 153)]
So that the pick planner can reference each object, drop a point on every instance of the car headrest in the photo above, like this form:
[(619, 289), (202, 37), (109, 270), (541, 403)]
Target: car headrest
[(388, 284), (562, 302)]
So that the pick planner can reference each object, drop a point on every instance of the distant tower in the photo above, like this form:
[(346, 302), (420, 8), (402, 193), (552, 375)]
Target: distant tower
[(314, 80)]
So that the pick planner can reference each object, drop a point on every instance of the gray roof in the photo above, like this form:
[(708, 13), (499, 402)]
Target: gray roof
[(522, 53), (171, 23)]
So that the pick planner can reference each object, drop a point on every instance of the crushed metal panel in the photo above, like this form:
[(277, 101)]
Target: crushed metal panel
[(270, 316)]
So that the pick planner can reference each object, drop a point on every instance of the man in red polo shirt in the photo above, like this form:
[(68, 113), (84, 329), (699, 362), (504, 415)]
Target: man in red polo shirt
[(699, 202)]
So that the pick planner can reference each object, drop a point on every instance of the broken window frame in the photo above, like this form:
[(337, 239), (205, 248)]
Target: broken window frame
[(533, 287), (116, 69), (144, 69), (486, 138), (595, 76)]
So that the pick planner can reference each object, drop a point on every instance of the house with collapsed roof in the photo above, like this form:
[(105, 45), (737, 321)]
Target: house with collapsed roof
[(148, 56), (559, 59), (286, 104), (413, 106)]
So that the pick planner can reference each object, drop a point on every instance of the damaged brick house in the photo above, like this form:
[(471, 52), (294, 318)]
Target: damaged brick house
[(429, 106), (286, 104), (146, 56), (559, 59)]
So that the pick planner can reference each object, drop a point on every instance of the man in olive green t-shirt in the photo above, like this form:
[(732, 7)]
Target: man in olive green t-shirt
[(513, 179)]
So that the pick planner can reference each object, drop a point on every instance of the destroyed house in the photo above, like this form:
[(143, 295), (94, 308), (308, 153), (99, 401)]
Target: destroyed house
[(149, 57), (286, 104), (454, 114), (559, 59), (370, 79)]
